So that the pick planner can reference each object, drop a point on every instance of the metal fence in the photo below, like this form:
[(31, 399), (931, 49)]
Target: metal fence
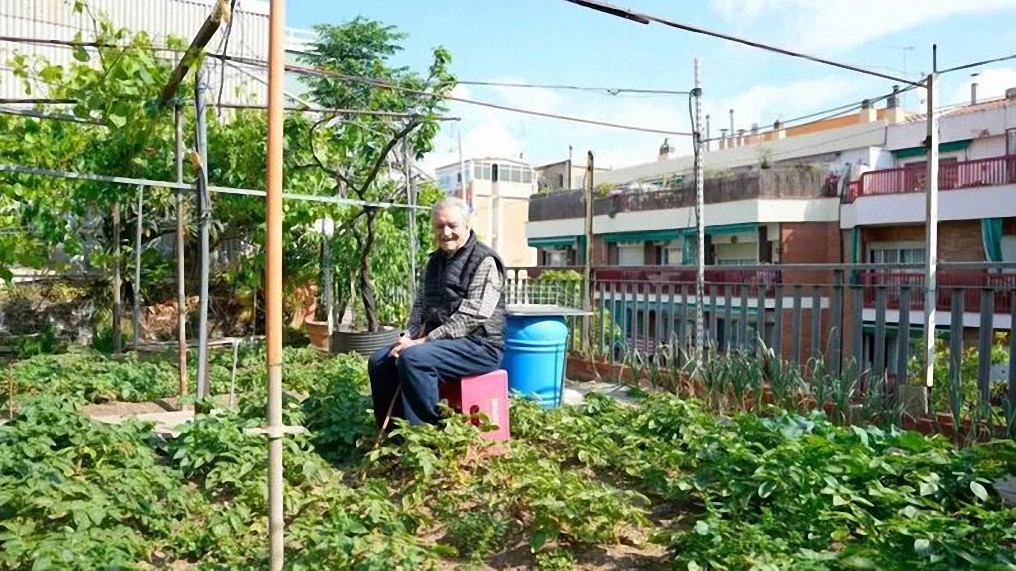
[(860, 320)]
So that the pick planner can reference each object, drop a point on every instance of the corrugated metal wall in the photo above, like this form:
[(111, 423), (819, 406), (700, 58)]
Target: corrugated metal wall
[(159, 18)]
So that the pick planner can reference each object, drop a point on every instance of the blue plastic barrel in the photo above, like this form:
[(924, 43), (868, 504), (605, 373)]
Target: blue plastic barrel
[(534, 357)]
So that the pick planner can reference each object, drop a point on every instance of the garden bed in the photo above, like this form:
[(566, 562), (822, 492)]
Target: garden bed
[(664, 482)]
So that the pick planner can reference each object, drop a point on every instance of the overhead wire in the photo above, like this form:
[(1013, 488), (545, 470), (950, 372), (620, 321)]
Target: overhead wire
[(977, 64), (374, 82), (644, 18)]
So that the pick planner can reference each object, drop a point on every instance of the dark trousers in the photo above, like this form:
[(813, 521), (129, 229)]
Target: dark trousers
[(420, 368)]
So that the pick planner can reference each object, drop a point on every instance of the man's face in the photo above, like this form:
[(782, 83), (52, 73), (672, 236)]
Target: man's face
[(450, 229)]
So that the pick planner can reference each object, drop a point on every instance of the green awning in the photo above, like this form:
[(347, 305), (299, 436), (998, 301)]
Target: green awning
[(553, 241), (643, 236), (725, 230), (921, 151)]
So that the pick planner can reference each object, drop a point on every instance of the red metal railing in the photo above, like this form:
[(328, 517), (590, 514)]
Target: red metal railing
[(953, 175), (971, 283), (647, 277)]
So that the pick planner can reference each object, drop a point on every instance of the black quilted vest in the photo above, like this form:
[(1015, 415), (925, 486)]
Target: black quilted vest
[(446, 284)]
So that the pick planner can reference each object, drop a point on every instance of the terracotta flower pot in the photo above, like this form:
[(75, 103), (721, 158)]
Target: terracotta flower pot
[(317, 332)]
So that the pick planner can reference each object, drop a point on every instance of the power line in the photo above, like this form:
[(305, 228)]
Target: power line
[(644, 18), (833, 112), (977, 64), (607, 90), (311, 71)]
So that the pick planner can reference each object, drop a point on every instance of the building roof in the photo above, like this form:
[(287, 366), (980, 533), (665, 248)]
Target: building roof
[(854, 136)]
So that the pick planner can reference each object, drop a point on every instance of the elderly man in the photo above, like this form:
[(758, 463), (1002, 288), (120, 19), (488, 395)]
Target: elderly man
[(456, 327)]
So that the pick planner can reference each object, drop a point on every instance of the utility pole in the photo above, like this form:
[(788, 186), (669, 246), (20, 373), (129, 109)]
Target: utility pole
[(570, 168), (700, 225), (462, 174), (587, 282), (931, 226), (495, 210)]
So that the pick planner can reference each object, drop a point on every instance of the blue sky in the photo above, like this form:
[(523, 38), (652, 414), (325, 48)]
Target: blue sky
[(552, 41)]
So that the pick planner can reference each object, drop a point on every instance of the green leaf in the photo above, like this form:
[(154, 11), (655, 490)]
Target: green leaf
[(701, 527), (80, 54), (922, 547), (118, 120), (839, 501), (861, 433), (979, 490)]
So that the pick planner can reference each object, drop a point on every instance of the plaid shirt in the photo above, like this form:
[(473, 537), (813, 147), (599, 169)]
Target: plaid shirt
[(479, 304)]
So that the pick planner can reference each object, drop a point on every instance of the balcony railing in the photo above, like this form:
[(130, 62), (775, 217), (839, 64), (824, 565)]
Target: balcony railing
[(895, 285), (951, 176), (769, 183)]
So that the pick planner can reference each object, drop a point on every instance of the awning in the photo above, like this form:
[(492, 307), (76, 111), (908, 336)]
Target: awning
[(553, 241), (725, 230), (643, 236), (921, 151)]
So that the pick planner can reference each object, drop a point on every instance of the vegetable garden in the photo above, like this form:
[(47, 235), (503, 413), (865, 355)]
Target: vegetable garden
[(664, 483)]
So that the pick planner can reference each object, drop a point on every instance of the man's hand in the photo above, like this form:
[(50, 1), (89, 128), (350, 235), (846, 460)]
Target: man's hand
[(402, 344)]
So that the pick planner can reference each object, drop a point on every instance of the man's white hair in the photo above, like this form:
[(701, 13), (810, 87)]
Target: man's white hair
[(453, 202)]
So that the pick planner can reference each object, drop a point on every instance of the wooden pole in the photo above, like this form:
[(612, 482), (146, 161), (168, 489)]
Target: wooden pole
[(117, 286), (137, 269), (204, 216), (220, 13), (273, 280), (181, 289)]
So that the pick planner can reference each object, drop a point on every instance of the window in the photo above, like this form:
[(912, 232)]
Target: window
[(560, 181), (631, 254), (896, 253), (527, 176)]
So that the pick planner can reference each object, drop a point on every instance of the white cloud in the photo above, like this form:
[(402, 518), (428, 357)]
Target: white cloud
[(763, 104), (830, 27), (991, 84), (490, 132)]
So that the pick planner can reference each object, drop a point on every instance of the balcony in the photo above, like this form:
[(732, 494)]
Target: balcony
[(771, 183), (968, 285), (978, 173)]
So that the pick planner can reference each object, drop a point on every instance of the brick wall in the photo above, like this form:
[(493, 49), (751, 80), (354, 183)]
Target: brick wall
[(958, 241)]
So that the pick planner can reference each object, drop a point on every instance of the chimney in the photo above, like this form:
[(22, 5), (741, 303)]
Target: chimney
[(740, 137), (664, 150), (868, 113), (723, 139), (778, 130), (732, 131), (973, 88), (895, 113), (892, 102)]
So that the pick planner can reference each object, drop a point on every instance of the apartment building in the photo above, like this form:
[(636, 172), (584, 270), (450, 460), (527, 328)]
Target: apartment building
[(847, 190), (883, 220)]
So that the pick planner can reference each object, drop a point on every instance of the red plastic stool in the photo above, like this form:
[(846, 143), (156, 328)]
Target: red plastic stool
[(483, 393)]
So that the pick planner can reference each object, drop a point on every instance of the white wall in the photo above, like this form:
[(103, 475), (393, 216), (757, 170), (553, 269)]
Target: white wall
[(724, 213), (962, 204)]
